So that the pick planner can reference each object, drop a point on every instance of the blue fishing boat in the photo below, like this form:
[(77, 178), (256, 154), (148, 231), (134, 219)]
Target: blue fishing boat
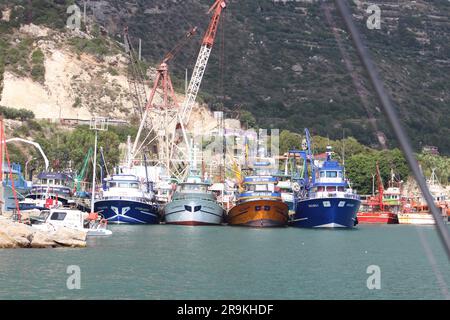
[(21, 185), (326, 200), (51, 189), (123, 200)]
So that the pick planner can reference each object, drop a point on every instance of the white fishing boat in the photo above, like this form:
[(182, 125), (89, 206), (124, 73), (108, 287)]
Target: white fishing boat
[(194, 205), (416, 210), (73, 219)]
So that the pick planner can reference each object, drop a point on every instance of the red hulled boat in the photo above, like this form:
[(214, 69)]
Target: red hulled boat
[(374, 211)]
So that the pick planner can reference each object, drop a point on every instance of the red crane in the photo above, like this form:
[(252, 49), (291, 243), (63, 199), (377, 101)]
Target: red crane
[(202, 60), (164, 82)]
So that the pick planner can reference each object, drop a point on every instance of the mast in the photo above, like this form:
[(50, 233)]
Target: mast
[(380, 188)]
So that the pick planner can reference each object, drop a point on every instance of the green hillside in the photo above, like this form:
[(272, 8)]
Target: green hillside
[(282, 63)]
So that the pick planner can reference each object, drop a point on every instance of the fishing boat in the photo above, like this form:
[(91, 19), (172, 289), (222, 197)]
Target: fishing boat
[(329, 201), (73, 218), (379, 209), (194, 204), (259, 204), (419, 215), (21, 185), (125, 200), (371, 212), (416, 210), (52, 189)]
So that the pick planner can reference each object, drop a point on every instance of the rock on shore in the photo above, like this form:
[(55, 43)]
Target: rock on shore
[(19, 235)]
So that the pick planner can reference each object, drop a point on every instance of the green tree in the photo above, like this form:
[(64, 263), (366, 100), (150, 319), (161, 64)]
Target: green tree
[(359, 169), (289, 140), (248, 119)]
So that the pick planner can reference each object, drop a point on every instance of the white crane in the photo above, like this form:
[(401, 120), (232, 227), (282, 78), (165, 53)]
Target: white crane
[(37, 145)]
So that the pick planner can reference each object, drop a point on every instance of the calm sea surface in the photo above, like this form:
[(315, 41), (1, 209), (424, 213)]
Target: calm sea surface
[(171, 262)]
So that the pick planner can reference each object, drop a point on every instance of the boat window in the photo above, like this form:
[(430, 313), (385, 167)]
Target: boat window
[(44, 181), (340, 174), (320, 189), (331, 189), (134, 185), (194, 187), (112, 184), (331, 174), (123, 185), (261, 187), (322, 174), (59, 216), (341, 189), (51, 181)]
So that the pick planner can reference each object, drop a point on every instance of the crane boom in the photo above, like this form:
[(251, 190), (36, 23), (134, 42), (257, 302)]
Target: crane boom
[(37, 145), (82, 173), (165, 83), (202, 60)]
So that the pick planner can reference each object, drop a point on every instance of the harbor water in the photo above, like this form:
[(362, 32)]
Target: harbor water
[(176, 262)]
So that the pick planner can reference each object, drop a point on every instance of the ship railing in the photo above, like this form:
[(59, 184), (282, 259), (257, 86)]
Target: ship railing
[(334, 195), (122, 198)]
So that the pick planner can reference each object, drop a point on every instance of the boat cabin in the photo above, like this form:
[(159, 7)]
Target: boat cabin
[(259, 187), (57, 183), (122, 182), (66, 217), (192, 187), (330, 180)]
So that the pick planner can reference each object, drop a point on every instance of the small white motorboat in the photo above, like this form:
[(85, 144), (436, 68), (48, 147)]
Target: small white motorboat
[(74, 219)]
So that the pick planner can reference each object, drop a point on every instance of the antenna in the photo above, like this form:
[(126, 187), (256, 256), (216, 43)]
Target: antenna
[(343, 149)]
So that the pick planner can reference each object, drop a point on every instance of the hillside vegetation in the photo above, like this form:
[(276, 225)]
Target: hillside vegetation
[(281, 62)]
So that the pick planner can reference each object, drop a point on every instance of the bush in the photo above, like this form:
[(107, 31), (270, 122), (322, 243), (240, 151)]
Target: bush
[(16, 114)]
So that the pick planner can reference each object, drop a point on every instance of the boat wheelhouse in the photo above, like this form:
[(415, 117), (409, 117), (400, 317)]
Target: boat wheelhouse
[(54, 183)]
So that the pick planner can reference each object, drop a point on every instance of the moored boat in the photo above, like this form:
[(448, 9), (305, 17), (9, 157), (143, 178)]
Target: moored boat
[(193, 204), (419, 213), (123, 201), (259, 205), (21, 186), (415, 210), (379, 209), (329, 201), (73, 219), (369, 215), (51, 189)]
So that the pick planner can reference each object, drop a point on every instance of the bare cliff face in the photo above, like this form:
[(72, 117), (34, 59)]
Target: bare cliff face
[(76, 84)]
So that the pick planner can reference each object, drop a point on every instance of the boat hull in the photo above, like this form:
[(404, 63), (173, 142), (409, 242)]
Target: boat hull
[(259, 213), (418, 218), (8, 196), (127, 212), (326, 213), (378, 217), (194, 212)]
